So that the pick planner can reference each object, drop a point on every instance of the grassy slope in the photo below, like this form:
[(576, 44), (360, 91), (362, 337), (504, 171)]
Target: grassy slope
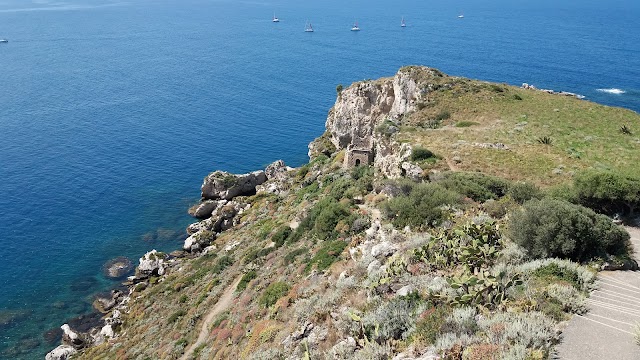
[(584, 134)]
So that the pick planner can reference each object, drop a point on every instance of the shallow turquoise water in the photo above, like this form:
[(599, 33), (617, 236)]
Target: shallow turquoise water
[(111, 113)]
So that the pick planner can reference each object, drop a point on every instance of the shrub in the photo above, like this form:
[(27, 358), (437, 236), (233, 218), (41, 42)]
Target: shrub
[(328, 254), (517, 97), (554, 228), (176, 315), (339, 89), (443, 115), (246, 279), (476, 186), (532, 330), (281, 235), (608, 192), (273, 293), (522, 192), (430, 324), (323, 219), (625, 130), (421, 208), (291, 257), (552, 272), (585, 277), (498, 209), (464, 124), (420, 153), (395, 319), (222, 264)]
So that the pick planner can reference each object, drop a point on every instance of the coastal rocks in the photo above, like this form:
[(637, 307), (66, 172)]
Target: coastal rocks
[(553, 92), (199, 240), (152, 263), (221, 219), (384, 249), (278, 179), (105, 303), (118, 267), (72, 338), (62, 352), (224, 185), (203, 210)]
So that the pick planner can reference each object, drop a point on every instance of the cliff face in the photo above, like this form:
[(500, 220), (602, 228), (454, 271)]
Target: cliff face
[(364, 106)]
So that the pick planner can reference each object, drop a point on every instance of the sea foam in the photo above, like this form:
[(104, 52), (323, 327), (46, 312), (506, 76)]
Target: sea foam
[(612, 91)]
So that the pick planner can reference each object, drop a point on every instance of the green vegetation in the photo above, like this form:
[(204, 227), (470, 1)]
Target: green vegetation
[(281, 235), (608, 192), (420, 207), (176, 315), (246, 279), (555, 228), (420, 154), (476, 186), (328, 254), (273, 293), (464, 124)]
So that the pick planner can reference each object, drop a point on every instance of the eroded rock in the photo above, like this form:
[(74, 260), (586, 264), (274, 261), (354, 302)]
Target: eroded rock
[(226, 186), (203, 209), (62, 352)]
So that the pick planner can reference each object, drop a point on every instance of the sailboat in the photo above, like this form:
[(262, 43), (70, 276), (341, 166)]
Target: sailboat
[(355, 27), (3, 41), (308, 27), (402, 23), (275, 18)]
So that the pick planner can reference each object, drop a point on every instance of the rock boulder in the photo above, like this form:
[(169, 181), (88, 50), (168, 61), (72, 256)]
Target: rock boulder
[(62, 352), (226, 186), (203, 209)]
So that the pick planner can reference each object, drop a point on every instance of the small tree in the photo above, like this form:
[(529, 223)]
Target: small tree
[(339, 89), (608, 192)]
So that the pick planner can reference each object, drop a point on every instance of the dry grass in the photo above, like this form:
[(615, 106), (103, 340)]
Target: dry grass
[(585, 135)]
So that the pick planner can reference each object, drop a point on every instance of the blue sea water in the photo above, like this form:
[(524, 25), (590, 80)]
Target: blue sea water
[(112, 112)]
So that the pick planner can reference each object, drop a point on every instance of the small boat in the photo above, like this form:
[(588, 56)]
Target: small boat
[(275, 18), (308, 27), (3, 41), (461, 16), (402, 23), (355, 27)]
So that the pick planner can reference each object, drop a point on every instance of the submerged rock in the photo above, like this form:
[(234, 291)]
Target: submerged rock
[(226, 186), (118, 267)]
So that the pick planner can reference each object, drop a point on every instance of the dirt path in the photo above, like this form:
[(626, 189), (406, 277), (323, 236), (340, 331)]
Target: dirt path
[(606, 331), (451, 164), (223, 303)]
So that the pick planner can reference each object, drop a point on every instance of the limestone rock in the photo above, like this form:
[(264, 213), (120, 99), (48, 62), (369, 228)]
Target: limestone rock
[(405, 290), (384, 249), (411, 171), (72, 338), (152, 263), (62, 352), (203, 209), (199, 240), (107, 331), (224, 185)]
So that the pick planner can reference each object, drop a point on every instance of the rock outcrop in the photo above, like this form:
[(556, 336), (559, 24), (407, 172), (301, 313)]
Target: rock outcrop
[(226, 186), (62, 352), (152, 263), (363, 107), (279, 180), (203, 209)]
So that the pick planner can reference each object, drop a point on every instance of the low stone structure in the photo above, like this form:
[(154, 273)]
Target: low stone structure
[(358, 153)]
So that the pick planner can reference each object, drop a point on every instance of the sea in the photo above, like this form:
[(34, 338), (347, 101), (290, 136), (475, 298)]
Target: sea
[(113, 111)]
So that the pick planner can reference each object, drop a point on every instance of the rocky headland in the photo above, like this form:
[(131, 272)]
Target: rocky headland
[(322, 261)]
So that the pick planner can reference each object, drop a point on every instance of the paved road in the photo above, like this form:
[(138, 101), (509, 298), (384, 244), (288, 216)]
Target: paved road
[(606, 331)]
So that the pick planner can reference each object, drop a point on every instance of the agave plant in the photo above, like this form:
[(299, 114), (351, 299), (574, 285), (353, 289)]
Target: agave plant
[(545, 140), (625, 130)]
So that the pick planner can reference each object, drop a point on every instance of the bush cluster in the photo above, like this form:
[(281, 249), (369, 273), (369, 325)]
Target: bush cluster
[(421, 206), (608, 192), (273, 293), (323, 220), (554, 228), (476, 186)]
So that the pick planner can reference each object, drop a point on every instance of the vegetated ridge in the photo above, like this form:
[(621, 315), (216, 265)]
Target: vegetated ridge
[(438, 217)]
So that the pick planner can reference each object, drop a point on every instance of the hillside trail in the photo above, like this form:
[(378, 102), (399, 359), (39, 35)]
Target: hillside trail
[(225, 301), (451, 164), (607, 330)]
